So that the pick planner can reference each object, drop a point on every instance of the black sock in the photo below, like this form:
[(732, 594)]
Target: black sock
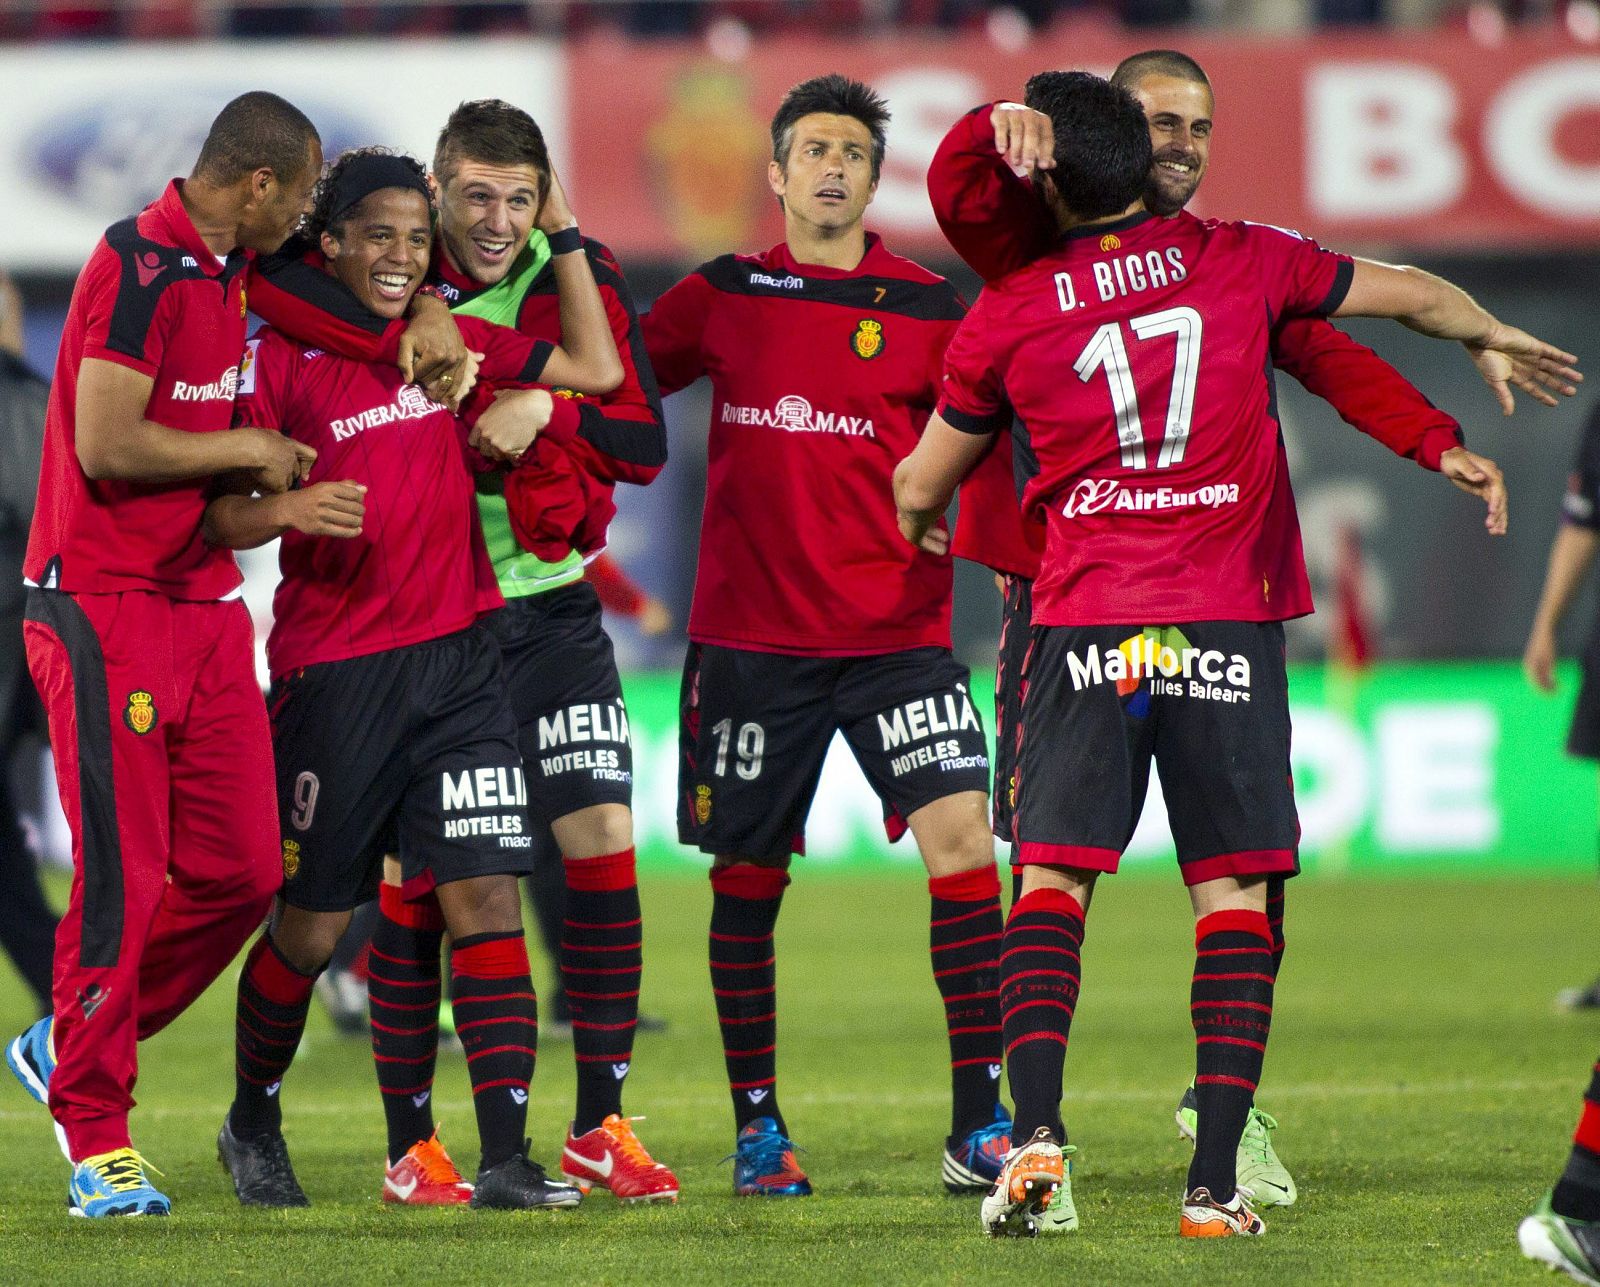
[(1577, 1193), (269, 1020), (965, 926), (601, 960), (403, 993), (1230, 1003), (497, 1019), (1041, 968), (1275, 886), (744, 909)]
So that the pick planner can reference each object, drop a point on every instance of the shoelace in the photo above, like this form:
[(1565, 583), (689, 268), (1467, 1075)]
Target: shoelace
[(620, 1133), (1257, 1137), (123, 1171), (767, 1154), (435, 1163)]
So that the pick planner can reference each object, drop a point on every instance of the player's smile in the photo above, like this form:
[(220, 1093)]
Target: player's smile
[(486, 214), (382, 248)]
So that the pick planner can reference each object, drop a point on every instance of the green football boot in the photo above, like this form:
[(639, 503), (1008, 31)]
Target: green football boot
[(1258, 1168), (1572, 1246)]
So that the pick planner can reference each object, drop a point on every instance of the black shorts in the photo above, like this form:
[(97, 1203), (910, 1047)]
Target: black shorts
[(1016, 635), (755, 728), (410, 751), (1583, 736), (567, 699), (1208, 702)]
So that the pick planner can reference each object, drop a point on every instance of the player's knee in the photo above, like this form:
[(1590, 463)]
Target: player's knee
[(307, 939), (595, 832)]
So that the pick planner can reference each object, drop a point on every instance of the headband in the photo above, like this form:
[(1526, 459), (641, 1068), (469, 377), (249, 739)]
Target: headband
[(368, 174)]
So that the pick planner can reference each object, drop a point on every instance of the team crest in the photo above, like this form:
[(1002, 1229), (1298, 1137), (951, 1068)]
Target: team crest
[(702, 805), (140, 712), (244, 306), (868, 341), (1111, 242), (291, 859)]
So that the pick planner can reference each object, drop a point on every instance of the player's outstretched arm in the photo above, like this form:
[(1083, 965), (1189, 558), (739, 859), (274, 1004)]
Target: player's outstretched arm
[(324, 509), (1571, 556), (115, 441), (926, 480), (1505, 356), (586, 359)]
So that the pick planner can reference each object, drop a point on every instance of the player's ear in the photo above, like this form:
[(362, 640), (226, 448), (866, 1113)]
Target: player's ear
[(262, 183), (776, 180), (330, 246)]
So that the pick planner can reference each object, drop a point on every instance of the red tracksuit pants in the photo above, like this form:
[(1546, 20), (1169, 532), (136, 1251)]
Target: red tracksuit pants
[(164, 767)]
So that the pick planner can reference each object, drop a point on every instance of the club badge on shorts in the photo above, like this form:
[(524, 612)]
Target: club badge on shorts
[(291, 859), (868, 341), (140, 712), (702, 805)]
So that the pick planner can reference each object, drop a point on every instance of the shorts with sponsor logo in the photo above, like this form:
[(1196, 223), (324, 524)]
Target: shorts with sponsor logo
[(1016, 635), (755, 728), (566, 696), (1207, 702), (410, 751)]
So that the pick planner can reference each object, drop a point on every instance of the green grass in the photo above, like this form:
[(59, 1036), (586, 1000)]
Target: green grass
[(1425, 1086)]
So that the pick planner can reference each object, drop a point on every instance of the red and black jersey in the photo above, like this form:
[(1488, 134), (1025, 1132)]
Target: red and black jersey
[(153, 298), (1136, 358), (997, 224), (419, 569), (822, 380)]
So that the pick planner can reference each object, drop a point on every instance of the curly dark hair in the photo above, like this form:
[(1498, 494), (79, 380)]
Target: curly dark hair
[(322, 218)]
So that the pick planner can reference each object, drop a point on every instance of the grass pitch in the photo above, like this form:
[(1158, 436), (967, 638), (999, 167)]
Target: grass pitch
[(1425, 1086)]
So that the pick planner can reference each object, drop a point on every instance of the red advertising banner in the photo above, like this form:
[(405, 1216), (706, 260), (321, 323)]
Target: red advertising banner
[(1416, 141)]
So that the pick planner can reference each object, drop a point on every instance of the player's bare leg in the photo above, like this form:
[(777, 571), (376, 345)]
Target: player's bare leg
[(274, 994), (602, 946), (1039, 982), (965, 925), (746, 896)]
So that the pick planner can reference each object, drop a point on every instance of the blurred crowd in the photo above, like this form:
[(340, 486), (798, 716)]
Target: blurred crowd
[(245, 19)]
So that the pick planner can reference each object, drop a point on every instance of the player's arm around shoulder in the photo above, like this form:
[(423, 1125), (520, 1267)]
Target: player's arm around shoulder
[(586, 359)]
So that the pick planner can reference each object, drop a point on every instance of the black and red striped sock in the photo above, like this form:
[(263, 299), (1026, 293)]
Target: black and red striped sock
[(601, 959), (745, 900), (965, 926), (1040, 969), (497, 1019), (1577, 1192), (1275, 886), (403, 996), (1230, 1003), (269, 1021)]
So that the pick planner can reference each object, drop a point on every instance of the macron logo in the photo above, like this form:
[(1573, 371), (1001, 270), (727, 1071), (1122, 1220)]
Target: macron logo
[(520, 1095), (756, 1096), (148, 266), (790, 282)]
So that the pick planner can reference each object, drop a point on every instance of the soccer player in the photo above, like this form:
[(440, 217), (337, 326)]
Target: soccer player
[(137, 639), (810, 617), (974, 192), (1564, 1229), (390, 719), (506, 238), (1168, 569), (1571, 556)]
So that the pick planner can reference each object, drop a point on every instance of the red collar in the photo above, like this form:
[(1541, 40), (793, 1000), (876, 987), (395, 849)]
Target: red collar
[(174, 223)]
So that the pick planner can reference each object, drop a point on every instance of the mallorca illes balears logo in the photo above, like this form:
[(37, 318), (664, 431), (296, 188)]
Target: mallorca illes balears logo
[(1173, 667)]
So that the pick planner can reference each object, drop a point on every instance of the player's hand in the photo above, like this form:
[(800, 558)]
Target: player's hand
[(555, 214), (1026, 138), (431, 349), (456, 385), (923, 531), (326, 509), (655, 618), (1512, 358), (1482, 477), (512, 422), (275, 463), (1539, 659)]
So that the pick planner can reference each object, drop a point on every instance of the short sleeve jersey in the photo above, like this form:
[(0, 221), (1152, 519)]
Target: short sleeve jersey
[(1136, 357), (419, 569), (821, 381), (153, 298)]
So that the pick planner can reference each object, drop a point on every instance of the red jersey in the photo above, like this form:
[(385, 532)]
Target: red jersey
[(997, 225), (419, 569), (1136, 355), (154, 298), (821, 380)]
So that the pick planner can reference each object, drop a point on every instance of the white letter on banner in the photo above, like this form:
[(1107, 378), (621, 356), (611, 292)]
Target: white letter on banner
[(926, 100), (1520, 137), (1436, 777), (1378, 141), (1332, 777)]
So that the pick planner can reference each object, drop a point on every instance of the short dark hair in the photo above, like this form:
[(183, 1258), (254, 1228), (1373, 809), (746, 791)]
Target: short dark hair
[(1103, 153), (838, 96), (322, 219), (1158, 62), (494, 132), (256, 130)]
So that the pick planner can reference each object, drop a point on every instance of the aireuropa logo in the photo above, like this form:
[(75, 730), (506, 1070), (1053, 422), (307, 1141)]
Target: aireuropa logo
[(1092, 495), (1163, 656), (794, 414)]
